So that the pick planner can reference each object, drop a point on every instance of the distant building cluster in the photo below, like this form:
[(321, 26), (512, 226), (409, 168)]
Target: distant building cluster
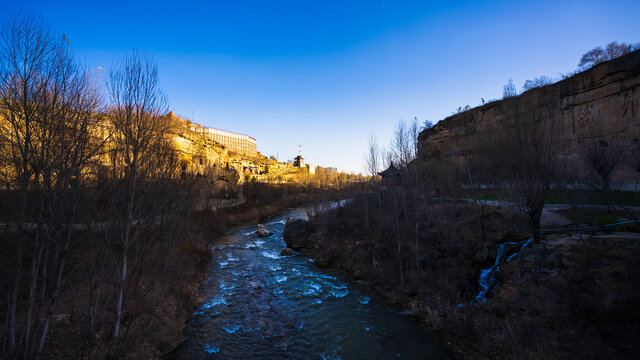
[(240, 143), (298, 161)]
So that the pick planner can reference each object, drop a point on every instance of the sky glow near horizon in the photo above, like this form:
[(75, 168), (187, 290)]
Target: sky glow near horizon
[(326, 74)]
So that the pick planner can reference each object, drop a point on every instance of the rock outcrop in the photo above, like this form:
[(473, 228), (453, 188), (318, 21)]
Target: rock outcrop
[(199, 154), (296, 233), (605, 98)]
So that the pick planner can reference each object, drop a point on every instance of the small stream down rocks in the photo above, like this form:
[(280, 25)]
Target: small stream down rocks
[(260, 305), (487, 280)]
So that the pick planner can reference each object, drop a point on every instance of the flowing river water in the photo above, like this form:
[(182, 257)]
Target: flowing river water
[(260, 305)]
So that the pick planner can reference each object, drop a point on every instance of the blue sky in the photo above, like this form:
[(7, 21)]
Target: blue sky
[(326, 74)]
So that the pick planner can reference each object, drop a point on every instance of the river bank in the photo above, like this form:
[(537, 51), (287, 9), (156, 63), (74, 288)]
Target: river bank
[(156, 316), (569, 297)]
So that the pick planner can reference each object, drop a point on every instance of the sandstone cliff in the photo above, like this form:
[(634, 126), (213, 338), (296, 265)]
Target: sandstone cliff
[(197, 153), (603, 101)]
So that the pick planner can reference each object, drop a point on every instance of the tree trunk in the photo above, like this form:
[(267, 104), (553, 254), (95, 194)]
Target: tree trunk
[(55, 295), (125, 246), (395, 207), (123, 278), (35, 268), (535, 225)]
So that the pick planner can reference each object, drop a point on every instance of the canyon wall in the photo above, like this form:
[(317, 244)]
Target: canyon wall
[(602, 103)]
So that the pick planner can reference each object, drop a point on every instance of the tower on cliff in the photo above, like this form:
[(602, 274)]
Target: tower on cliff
[(299, 160)]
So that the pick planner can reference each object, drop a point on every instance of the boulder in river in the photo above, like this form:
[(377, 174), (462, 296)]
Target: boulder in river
[(263, 231), (322, 262), (296, 233), (286, 252), (357, 275)]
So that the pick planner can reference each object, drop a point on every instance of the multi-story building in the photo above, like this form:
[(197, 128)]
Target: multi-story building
[(240, 143)]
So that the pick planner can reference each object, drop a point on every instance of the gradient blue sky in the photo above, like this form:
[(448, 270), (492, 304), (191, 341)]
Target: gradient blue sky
[(327, 73)]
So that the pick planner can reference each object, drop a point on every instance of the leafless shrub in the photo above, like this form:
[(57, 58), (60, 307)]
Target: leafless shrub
[(136, 113), (372, 159), (599, 55), (532, 161), (509, 90), (602, 156), (48, 107)]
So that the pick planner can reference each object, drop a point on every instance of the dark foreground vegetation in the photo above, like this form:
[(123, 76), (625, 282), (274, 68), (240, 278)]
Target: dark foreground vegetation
[(102, 250), (165, 270), (593, 196), (569, 296), (100, 244), (421, 236)]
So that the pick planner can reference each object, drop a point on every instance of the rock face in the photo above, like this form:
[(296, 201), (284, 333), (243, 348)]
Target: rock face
[(296, 233), (286, 252), (198, 154), (605, 97)]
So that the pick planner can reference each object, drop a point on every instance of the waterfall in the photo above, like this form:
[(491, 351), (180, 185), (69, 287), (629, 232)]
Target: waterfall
[(486, 280)]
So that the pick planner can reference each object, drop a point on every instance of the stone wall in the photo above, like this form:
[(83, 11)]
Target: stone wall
[(602, 102)]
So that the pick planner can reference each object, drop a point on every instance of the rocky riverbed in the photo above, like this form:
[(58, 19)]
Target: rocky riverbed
[(259, 304)]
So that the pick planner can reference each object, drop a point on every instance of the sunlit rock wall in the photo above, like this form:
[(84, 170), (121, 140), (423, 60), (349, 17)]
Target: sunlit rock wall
[(199, 152)]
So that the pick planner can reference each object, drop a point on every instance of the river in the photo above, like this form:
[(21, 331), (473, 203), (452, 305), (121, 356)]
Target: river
[(260, 305)]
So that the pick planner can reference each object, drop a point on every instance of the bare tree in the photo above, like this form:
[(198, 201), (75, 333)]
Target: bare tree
[(427, 124), (137, 108), (592, 57), (615, 50), (599, 55), (48, 106), (484, 168), (372, 159), (602, 157), (532, 162), (402, 148), (509, 90), (633, 158), (387, 157), (537, 82), (414, 131), (25, 47)]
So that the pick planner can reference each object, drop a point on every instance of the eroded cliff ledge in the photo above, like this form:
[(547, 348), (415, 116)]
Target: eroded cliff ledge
[(603, 102)]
